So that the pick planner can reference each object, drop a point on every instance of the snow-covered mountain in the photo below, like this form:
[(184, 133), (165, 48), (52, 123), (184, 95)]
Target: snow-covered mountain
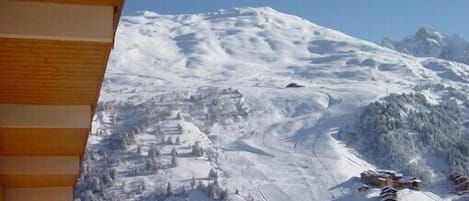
[(428, 42), (190, 98)]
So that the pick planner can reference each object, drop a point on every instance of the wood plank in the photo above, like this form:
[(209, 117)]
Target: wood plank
[(39, 194), (39, 165), (49, 44), (42, 141), (51, 72), (57, 96), (61, 73), (45, 116), (52, 21), (84, 85), (86, 2), (24, 181)]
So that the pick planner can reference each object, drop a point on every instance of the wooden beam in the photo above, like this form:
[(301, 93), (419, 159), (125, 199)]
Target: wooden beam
[(39, 194), (42, 141), (47, 72), (30, 181), (86, 2), (26, 171), (25, 165), (45, 116), (52, 21)]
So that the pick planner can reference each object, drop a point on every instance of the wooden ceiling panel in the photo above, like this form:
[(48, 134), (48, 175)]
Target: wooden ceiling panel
[(51, 72), (42, 142), (25, 181), (87, 2), (39, 194), (40, 171)]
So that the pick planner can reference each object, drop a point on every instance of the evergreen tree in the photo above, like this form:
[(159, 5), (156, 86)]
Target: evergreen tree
[(169, 141), (223, 195), (212, 191), (193, 183), (183, 190), (174, 152), (141, 188), (201, 186), (212, 174), (139, 150), (106, 177), (88, 195), (197, 150), (150, 164), (174, 161), (169, 189), (113, 174)]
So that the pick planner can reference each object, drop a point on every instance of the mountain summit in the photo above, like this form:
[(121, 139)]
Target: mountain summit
[(428, 42)]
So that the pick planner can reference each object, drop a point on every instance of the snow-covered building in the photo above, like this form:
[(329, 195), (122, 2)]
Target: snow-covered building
[(393, 174), (389, 178), (411, 183), (462, 186), (460, 181), (388, 194), (376, 178)]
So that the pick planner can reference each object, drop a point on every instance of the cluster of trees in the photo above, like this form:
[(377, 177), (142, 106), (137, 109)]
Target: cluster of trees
[(92, 183), (197, 150), (127, 120), (152, 161), (397, 129), (209, 105), (170, 141), (212, 188)]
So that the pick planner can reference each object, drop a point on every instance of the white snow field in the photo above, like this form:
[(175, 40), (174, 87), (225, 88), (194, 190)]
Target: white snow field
[(219, 79)]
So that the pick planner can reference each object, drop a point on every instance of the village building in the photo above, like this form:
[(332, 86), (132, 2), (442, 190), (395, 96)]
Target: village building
[(454, 175), (388, 194), (462, 186), (460, 181), (389, 198), (389, 178), (364, 189), (410, 183), (376, 179), (393, 174)]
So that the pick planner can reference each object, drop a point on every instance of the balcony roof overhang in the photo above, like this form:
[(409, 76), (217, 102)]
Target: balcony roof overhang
[(53, 55)]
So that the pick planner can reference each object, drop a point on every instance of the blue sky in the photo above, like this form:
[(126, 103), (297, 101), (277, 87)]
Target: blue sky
[(366, 19)]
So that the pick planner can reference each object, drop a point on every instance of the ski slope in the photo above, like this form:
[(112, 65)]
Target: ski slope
[(271, 143)]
